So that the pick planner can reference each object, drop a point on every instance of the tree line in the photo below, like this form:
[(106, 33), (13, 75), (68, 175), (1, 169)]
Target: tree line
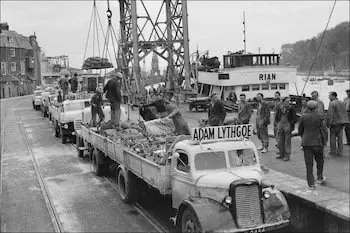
[(333, 53)]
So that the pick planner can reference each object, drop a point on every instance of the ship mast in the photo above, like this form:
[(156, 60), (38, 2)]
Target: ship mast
[(244, 35)]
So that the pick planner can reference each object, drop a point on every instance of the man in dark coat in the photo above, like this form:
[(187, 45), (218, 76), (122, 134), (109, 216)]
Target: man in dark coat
[(285, 119), (244, 110), (217, 112), (277, 103), (74, 83), (347, 107), (64, 85), (314, 136), (336, 120), (114, 96), (262, 121)]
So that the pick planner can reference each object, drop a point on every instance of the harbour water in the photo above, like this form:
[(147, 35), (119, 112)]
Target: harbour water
[(321, 86)]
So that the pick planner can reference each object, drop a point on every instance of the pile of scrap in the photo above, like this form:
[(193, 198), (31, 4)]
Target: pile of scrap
[(96, 63), (142, 138)]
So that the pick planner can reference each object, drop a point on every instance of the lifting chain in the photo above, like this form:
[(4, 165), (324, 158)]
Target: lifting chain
[(109, 14)]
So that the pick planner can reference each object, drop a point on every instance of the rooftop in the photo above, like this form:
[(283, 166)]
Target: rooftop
[(18, 40)]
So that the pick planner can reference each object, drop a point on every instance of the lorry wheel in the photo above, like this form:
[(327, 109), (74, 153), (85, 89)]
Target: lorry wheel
[(127, 186), (57, 130), (100, 169), (189, 222), (64, 139), (79, 143)]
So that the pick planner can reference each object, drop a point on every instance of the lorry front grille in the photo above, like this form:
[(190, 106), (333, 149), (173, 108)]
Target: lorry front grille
[(247, 205)]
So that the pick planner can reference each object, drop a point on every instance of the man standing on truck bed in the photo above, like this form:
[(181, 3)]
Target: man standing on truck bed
[(114, 96), (96, 107), (74, 83)]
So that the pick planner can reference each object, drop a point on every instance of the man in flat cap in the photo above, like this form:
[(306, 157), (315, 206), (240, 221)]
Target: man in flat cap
[(114, 96), (313, 131), (347, 107)]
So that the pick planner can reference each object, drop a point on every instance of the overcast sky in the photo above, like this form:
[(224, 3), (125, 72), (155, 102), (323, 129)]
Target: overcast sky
[(62, 26)]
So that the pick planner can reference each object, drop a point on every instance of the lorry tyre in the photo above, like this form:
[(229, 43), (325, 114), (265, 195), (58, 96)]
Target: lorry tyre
[(127, 186), (79, 143), (189, 221), (57, 129), (100, 169), (64, 139)]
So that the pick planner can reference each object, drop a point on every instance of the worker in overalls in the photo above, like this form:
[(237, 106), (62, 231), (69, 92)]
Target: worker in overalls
[(96, 107)]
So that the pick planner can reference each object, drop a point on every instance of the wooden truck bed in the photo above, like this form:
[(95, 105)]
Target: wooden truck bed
[(154, 174)]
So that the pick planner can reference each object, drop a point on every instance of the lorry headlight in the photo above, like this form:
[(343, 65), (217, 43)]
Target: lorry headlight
[(65, 126), (228, 200), (266, 194)]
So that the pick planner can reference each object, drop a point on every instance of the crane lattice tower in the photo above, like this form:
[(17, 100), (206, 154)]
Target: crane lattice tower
[(165, 34)]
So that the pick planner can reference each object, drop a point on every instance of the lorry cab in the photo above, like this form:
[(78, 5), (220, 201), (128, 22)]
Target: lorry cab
[(36, 99), (217, 185), (210, 168), (64, 115)]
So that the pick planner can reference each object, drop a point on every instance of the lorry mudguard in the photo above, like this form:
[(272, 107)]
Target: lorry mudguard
[(212, 215)]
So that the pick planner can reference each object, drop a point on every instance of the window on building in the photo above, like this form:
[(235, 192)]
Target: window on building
[(22, 67), (12, 52), (265, 87), (274, 86), (11, 41), (282, 86), (245, 88), (255, 87), (3, 68), (13, 66)]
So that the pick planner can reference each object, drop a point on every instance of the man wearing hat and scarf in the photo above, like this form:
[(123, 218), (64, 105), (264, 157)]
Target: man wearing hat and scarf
[(114, 96), (313, 131), (347, 107)]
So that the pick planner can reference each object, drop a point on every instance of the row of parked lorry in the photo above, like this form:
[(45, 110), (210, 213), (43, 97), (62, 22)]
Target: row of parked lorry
[(213, 176)]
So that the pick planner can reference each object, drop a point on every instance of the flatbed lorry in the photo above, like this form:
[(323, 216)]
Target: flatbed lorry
[(214, 180)]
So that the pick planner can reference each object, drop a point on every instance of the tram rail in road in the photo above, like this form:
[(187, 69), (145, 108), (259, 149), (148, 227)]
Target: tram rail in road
[(44, 190), (156, 224)]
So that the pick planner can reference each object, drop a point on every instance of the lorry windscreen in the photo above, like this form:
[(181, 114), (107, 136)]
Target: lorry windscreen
[(240, 158), (210, 160)]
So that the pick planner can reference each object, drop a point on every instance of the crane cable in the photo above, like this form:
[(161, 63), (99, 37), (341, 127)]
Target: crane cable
[(110, 36), (319, 46)]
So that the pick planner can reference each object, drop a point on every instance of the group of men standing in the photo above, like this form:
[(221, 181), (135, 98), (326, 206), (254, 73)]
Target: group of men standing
[(313, 126), (313, 130)]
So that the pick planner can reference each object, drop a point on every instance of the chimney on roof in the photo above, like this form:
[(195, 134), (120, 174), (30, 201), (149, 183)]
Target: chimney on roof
[(4, 26)]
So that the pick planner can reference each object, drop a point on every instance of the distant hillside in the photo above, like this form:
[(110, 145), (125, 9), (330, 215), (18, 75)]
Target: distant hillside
[(334, 51)]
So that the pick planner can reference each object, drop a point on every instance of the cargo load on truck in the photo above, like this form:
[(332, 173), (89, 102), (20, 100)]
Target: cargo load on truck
[(150, 140)]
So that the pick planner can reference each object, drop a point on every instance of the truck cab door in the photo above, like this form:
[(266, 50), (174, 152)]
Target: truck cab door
[(180, 178)]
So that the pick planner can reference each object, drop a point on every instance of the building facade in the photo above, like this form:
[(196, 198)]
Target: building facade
[(20, 63)]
